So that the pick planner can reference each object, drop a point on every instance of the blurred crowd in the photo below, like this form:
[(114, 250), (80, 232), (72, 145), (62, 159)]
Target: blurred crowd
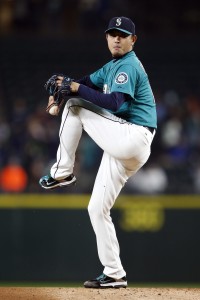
[(29, 139), (29, 136), (64, 16)]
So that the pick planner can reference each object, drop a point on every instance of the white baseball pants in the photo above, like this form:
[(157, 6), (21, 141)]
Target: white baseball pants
[(126, 149)]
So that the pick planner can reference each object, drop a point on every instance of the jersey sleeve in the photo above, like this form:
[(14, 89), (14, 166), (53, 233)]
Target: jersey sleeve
[(124, 80), (98, 77)]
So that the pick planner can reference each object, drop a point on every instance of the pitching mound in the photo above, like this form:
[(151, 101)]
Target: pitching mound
[(27, 293)]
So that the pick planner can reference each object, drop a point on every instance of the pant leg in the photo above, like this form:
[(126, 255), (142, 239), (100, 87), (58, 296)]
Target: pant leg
[(115, 136), (112, 134), (69, 135), (111, 177)]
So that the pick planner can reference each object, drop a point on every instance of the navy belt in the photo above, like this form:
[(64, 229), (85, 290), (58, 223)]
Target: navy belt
[(151, 129)]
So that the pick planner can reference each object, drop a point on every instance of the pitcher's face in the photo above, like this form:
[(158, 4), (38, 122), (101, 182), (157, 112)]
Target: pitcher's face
[(120, 43)]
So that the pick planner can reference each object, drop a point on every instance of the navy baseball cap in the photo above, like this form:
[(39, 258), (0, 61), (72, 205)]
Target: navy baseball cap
[(122, 24)]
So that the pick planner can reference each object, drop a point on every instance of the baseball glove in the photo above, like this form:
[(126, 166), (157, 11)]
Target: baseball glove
[(58, 94)]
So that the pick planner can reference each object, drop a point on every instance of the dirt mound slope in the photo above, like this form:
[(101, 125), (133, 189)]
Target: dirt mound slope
[(45, 293)]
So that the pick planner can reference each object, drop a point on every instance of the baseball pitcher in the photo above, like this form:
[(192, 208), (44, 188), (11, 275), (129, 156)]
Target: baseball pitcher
[(116, 107)]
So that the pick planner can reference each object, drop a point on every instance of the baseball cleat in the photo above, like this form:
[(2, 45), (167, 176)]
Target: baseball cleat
[(47, 182), (104, 281)]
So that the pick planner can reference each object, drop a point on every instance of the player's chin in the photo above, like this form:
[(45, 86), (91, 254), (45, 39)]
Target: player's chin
[(116, 54)]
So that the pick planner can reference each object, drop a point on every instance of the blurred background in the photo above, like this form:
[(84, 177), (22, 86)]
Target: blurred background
[(39, 38)]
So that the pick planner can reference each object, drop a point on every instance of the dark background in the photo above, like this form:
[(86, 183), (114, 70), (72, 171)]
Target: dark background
[(39, 38)]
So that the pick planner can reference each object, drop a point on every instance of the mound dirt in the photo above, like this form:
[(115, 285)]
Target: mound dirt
[(39, 293)]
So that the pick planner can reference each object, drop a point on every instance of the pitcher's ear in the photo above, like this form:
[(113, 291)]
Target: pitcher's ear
[(134, 38)]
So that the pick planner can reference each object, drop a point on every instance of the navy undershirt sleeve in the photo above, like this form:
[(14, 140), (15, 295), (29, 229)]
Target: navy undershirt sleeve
[(86, 81), (111, 101)]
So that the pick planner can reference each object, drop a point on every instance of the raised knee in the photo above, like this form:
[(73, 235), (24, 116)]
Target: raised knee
[(76, 102), (73, 104)]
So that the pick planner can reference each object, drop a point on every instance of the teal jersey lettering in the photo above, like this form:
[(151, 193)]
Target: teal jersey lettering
[(127, 75)]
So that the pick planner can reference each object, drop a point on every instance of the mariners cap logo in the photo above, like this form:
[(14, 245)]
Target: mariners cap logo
[(121, 78), (118, 21)]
